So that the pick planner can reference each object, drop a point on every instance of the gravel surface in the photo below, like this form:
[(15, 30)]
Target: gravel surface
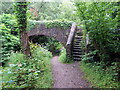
[(68, 75)]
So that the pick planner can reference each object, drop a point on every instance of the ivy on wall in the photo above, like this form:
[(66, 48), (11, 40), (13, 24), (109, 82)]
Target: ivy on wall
[(62, 24)]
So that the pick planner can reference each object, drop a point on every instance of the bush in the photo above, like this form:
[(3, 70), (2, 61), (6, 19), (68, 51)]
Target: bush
[(9, 43), (63, 57), (101, 21), (48, 43), (9, 40), (24, 72)]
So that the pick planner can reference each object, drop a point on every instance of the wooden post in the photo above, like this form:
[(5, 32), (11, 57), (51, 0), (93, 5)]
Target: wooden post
[(25, 43), (70, 40)]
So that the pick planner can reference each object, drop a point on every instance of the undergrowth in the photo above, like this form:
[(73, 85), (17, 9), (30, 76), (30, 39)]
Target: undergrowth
[(99, 77), (59, 23), (64, 58), (28, 72)]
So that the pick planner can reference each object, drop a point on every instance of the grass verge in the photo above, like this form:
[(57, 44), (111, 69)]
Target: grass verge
[(98, 77)]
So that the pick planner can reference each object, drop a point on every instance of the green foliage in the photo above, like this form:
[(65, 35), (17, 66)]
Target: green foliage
[(9, 40), (16, 58), (63, 24), (7, 7), (102, 27), (63, 57), (53, 46), (52, 10), (48, 43), (23, 74), (9, 21), (99, 77), (101, 23), (89, 57), (58, 23), (21, 15), (31, 25)]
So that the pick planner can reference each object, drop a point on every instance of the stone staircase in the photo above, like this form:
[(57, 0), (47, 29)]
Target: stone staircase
[(77, 52)]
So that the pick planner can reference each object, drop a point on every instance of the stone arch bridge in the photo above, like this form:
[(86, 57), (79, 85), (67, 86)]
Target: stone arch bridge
[(66, 37), (58, 33)]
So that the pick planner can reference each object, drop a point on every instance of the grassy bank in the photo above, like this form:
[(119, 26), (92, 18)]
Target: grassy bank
[(98, 77)]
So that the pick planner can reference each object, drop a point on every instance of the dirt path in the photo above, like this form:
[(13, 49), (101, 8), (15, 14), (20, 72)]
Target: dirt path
[(67, 75)]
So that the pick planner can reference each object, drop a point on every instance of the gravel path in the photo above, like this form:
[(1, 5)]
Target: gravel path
[(67, 75)]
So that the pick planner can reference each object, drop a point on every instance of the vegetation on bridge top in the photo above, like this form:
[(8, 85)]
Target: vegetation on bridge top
[(59, 23)]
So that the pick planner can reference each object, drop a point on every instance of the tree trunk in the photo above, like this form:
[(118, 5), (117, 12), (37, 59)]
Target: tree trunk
[(25, 43)]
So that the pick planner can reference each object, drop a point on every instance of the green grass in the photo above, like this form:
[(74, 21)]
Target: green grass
[(98, 77), (63, 57), (45, 82)]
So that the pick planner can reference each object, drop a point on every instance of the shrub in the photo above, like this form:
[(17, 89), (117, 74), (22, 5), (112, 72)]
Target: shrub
[(48, 43), (9, 40), (63, 57), (101, 20), (24, 72), (9, 43)]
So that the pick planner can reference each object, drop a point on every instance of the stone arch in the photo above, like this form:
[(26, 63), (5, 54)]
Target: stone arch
[(57, 33)]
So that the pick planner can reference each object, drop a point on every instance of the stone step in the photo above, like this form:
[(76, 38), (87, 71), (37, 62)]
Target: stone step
[(76, 59), (79, 33), (77, 55), (79, 50), (77, 42), (75, 52), (76, 47), (78, 37)]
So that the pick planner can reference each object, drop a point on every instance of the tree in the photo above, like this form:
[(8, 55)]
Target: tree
[(101, 28), (21, 11)]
